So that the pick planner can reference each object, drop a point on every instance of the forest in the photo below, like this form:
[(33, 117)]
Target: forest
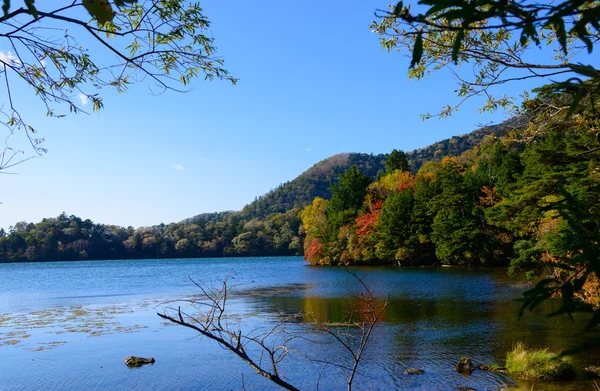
[(528, 200), (266, 227)]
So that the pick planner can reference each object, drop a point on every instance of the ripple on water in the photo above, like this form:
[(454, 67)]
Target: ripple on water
[(77, 336)]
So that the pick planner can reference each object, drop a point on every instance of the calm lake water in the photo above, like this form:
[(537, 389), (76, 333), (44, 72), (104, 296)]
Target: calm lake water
[(69, 325)]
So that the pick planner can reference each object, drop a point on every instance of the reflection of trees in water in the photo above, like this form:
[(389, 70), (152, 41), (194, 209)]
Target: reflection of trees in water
[(487, 329), (265, 349)]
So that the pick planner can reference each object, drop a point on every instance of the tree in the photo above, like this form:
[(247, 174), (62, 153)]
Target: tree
[(394, 225), (396, 160), (495, 38), (349, 193), (48, 52)]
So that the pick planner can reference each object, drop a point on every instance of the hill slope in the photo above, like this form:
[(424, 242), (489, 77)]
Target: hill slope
[(316, 181), (268, 226)]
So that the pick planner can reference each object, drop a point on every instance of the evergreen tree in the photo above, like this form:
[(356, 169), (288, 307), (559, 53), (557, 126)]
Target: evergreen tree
[(396, 160)]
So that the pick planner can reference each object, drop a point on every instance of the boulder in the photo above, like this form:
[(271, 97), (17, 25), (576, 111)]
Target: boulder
[(465, 365), (133, 361), (465, 388), (413, 371)]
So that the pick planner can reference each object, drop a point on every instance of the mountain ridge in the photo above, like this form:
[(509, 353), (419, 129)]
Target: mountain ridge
[(317, 179), (269, 226)]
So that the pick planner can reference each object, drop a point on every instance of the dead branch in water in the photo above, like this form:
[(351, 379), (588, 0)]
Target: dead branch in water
[(272, 345)]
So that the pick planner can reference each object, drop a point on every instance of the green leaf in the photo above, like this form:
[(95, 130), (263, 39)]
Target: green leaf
[(122, 3), (417, 50), (398, 8), (457, 45), (585, 70), (100, 9), (31, 8), (561, 34)]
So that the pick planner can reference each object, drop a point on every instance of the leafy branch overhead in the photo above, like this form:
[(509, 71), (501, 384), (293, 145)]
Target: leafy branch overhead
[(494, 37), (166, 42)]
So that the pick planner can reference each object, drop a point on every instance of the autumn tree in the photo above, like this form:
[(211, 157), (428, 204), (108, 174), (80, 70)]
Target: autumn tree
[(549, 218), (47, 51)]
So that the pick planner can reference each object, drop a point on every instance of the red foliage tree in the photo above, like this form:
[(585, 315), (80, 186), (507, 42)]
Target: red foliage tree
[(313, 250), (365, 223)]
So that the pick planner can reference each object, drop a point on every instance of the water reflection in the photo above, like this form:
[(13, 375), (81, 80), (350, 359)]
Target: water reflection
[(433, 334), (435, 317)]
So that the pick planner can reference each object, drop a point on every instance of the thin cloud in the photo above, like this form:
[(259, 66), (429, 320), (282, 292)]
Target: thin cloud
[(178, 167), (9, 59), (83, 98), (308, 149)]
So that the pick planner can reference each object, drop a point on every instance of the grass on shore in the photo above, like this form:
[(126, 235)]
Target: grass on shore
[(538, 364)]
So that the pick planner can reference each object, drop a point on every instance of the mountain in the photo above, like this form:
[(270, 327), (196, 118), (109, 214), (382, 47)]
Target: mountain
[(314, 182), (268, 226), (317, 180)]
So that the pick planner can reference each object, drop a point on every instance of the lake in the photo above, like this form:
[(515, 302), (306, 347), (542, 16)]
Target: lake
[(69, 325)]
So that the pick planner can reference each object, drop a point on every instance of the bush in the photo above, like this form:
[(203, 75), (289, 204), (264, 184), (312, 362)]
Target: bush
[(538, 364)]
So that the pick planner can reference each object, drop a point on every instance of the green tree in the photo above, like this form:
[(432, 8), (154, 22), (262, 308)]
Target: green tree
[(426, 189), (456, 229), (349, 193), (48, 52), (554, 216), (346, 201), (396, 160), (394, 226)]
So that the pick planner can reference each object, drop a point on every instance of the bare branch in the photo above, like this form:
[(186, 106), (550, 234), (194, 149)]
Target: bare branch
[(273, 344)]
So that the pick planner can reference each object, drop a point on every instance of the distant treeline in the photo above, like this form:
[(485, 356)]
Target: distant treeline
[(66, 238)]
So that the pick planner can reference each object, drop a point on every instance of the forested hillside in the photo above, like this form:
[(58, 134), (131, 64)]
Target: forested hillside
[(317, 181), (530, 201), (458, 144), (268, 226), (314, 182)]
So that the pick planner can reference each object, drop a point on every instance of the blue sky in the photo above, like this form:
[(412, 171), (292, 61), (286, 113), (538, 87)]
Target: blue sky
[(313, 82)]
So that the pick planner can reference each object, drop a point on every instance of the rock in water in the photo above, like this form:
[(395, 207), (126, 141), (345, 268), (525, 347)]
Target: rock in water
[(413, 371), (465, 388), (133, 361), (465, 365)]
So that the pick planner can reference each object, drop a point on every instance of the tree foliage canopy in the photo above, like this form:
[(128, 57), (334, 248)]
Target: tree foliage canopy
[(65, 57), (496, 38)]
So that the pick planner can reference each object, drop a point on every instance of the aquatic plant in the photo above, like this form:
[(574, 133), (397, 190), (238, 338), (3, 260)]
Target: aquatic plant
[(538, 364)]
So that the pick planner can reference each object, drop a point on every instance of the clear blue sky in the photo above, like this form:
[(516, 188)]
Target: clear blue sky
[(313, 82)]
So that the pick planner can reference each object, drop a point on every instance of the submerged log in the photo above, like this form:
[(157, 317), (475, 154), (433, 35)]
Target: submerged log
[(413, 371), (492, 368)]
